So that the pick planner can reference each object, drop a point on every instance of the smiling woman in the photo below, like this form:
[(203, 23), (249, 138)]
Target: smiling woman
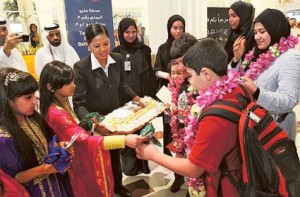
[(241, 15), (99, 80)]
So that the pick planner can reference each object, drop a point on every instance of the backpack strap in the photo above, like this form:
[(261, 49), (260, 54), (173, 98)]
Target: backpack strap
[(248, 95), (232, 112), (229, 110), (223, 109)]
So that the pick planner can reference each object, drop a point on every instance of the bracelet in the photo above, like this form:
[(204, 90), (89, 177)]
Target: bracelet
[(114, 142)]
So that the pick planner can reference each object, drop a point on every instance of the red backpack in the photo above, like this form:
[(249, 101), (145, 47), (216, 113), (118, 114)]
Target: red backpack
[(270, 163)]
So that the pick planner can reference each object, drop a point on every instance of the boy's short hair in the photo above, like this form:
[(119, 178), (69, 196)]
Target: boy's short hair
[(207, 53), (181, 45)]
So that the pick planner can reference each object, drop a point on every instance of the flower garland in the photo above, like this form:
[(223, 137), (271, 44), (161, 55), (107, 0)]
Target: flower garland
[(178, 134), (225, 86), (265, 59)]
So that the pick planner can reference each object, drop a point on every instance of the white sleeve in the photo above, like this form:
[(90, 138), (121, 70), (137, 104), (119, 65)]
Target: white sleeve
[(283, 96), (15, 60), (38, 63), (239, 64), (161, 74)]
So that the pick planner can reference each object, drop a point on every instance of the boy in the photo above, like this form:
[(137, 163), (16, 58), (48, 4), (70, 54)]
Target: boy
[(216, 137)]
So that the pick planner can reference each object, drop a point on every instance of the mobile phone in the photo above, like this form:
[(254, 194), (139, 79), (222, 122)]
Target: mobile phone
[(25, 38)]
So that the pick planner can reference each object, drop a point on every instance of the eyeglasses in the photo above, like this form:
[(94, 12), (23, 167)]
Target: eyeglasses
[(175, 28)]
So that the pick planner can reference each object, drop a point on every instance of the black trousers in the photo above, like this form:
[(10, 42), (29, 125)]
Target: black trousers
[(116, 168)]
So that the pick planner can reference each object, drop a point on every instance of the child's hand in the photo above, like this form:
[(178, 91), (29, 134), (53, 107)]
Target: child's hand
[(70, 149), (134, 140), (146, 151), (48, 169)]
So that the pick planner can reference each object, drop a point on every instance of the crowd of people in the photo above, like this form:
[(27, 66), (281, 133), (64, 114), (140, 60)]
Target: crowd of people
[(70, 90)]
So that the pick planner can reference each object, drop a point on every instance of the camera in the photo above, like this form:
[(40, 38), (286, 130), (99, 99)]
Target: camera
[(25, 38)]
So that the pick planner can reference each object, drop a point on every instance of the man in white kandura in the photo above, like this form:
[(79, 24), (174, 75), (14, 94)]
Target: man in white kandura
[(9, 55), (55, 47)]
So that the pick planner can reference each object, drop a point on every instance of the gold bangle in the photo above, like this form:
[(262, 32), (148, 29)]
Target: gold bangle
[(114, 142)]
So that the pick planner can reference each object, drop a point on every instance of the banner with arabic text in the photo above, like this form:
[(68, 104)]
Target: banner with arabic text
[(80, 14)]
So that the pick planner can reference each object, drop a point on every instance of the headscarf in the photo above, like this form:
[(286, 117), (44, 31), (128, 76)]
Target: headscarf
[(124, 24), (3, 22), (64, 52), (276, 24), (245, 12), (171, 20)]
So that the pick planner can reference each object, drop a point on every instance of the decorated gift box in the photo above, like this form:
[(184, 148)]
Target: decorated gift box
[(132, 116)]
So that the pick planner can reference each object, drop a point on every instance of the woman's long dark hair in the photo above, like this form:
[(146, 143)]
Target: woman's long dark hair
[(24, 85), (54, 76)]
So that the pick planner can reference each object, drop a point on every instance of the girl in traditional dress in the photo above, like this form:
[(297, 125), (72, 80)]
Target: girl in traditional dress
[(91, 164), (24, 137)]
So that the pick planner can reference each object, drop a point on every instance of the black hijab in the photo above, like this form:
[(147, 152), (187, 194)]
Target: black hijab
[(171, 20), (276, 24), (245, 12), (124, 24)]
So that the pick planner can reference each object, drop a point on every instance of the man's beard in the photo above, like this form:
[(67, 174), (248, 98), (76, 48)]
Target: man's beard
[(55, 43), (2, 40)]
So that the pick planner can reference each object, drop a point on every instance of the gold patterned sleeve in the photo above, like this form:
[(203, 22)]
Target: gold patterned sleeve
[(114, 142)]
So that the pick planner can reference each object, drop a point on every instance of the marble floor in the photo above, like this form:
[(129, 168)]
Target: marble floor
[(159, 181)]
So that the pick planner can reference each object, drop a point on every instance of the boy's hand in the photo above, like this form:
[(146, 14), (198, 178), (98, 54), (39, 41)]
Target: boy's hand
[(146, 151)]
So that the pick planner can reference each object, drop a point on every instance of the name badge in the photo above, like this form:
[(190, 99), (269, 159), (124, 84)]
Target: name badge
[(127, 66)]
